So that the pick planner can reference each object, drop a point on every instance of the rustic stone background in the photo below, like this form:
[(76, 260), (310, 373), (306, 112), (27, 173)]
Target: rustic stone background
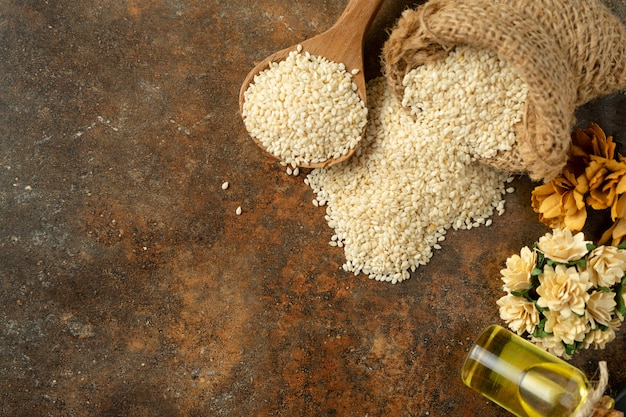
[(130, 287)]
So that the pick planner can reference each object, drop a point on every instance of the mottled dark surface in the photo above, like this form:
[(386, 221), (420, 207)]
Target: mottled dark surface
[(129, 286)]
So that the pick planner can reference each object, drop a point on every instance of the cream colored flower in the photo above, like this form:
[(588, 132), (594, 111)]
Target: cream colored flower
[(600, 307), (520, 314), (516, 276), (552, 344), (563, 290), (616, 321), (598, 338), (569, 329), (562, 246), (607, 265)]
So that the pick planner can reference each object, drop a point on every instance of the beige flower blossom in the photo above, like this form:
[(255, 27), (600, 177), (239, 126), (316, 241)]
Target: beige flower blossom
[(607, 265), (563, 290), (520, 314), (517, 274), (570, 329), (598, 338), (616, 321), (552, 344), (562, 246), (600, 307)]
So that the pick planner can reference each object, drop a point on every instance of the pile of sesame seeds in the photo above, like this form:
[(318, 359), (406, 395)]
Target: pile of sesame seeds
[(475, 98), (304, 109), (415, 173)]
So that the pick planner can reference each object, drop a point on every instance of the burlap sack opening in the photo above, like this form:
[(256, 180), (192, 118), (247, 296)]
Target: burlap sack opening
[(568, 52)]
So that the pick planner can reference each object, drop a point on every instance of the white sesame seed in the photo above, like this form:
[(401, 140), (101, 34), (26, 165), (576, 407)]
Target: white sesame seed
[(392, 202), (238, 211), (277, 98), (225, 185)]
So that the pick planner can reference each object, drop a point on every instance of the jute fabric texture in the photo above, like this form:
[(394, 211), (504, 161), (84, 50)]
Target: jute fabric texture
[(569, 52)]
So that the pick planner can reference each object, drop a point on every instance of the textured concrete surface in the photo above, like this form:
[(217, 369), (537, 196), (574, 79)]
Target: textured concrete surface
[(129, 286)]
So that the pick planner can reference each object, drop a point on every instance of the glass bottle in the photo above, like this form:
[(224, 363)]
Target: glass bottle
[(523, 378)]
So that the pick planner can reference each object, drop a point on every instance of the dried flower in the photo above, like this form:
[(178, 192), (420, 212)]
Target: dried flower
[(591, 141), (550, 343), (563, 289), (607, 265), (562, 246), (617, 232), (607, 179), (562, 202), (519, 268), (570, 329), (574, 298), (598, 338), (594, 176), (616, 321), (520, 313), (600, 307)]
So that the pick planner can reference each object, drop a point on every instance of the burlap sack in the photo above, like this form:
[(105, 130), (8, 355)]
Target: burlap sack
[(567, 51)]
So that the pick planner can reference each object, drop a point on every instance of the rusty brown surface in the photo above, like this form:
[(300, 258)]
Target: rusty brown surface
[(129, 286)]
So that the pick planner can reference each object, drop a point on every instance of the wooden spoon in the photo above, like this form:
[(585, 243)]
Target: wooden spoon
[(342, 43)]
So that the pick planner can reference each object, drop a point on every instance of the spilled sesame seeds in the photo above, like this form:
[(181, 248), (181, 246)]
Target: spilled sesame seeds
[(414, 177)]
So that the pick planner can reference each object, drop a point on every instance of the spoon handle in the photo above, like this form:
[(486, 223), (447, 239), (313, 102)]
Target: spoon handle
[(358, 16)]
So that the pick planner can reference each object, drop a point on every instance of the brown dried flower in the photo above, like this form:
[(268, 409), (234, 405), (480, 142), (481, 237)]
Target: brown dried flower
[(616, 233), (592, 177), (591, 141), (607, 179), (562, 201)]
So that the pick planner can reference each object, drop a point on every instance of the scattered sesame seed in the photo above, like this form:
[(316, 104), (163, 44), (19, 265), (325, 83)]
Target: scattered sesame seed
[(392, 202)]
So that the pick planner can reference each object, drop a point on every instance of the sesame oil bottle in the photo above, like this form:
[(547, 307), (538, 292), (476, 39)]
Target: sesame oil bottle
[(523, 378)]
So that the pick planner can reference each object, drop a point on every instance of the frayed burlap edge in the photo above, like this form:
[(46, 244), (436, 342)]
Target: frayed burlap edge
[(535, 51)]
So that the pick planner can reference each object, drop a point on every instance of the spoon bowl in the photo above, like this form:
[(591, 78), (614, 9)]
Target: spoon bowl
[(342, 43)]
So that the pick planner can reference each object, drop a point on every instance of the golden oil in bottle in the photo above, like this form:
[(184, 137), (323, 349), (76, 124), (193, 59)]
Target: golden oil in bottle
[(523, 378)]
